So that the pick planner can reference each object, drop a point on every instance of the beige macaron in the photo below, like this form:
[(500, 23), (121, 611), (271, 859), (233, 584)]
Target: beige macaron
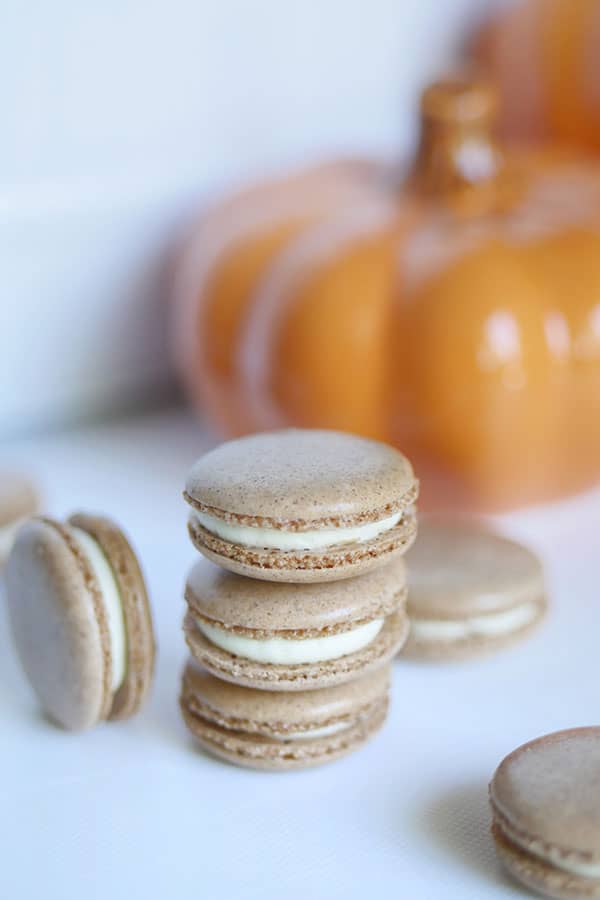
[(294, 637), (470, 590), (545, 799), (272, 730), (81, 619), (302, 505), (18, 501)]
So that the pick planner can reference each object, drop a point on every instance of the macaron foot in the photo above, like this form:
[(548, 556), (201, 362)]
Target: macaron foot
[(279, 731), (540, 876)]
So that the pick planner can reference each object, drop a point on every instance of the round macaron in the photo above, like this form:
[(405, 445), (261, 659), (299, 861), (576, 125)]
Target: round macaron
[(470, 591), (81, 619), (294, 637), (545, 799), (18, 501), (301, 505), (272, 730)]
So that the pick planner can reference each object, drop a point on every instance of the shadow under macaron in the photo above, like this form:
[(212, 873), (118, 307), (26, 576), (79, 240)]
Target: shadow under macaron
[(457, 821)]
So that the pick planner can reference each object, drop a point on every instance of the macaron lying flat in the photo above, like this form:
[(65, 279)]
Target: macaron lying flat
[(18, 501), (271, 730), (545, 799), (294, 637), (81, 619), (470, 591), (302, 505)]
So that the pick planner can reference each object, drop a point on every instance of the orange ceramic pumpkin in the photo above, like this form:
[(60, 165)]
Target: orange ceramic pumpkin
[(231, 247), (457, 315), (544, 55)]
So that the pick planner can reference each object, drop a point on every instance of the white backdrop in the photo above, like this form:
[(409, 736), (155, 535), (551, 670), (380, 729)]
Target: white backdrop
[(118, 118), (132, 810)]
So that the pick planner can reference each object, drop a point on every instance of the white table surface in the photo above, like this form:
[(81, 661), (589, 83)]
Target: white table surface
[(134, 810)]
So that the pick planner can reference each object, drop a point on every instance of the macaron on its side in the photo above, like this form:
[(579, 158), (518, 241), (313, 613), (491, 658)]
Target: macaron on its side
[(471, 591), (273, 731), (302, 505), (18, 501), (141, 646), (59, 624), (70, 604), (294, 637), (545, 799)]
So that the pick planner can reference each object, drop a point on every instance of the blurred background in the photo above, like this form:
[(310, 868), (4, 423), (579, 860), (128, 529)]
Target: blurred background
[(128, 129), (119, 119), (217, 217)]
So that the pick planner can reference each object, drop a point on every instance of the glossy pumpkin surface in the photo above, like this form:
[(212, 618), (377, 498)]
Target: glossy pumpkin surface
[(544, 57), (456, 314)]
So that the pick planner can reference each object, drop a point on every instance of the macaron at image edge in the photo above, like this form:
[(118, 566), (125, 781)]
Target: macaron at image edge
[(81, 620), (280, 731), (471, 591), (294, 637), (301, 505), (19, 499), (545, 800)]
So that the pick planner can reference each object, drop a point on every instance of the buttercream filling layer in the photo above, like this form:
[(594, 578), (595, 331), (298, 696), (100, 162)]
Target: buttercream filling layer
[(296, 736), (558, 858), (292, 651), (113, 604), (585, 870), (495, 625), (323, 731), (278, 539)]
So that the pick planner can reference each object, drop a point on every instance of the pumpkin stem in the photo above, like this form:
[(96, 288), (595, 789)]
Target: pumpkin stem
[(458, 160)]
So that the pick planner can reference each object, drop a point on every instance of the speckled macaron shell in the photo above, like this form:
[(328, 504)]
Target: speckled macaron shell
[(303, 480), (300, 677), (141, 647), (458, 570), (311, 566), (19, 500), (248, 727), (262, 610), (545, 798), (60, 624)]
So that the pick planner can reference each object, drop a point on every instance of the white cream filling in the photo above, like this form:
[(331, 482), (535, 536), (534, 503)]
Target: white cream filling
[(292, 651), (324, 731), (112, 603), (8, 534), (554, 857), (495, 625), (276, 539)]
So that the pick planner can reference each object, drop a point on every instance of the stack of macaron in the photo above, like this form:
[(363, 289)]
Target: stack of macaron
[(294, 620)]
